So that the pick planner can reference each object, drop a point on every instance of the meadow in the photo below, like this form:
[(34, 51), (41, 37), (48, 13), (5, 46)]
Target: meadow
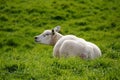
[(97, 21)]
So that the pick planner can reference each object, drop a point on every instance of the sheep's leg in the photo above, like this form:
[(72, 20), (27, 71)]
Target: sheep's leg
[(56, 53), (65, 49), (90, 52), (56, 50), (63, 52), (83, 56)]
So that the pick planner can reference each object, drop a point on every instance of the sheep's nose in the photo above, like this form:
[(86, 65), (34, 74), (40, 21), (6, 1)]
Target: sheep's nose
[(36, 37)]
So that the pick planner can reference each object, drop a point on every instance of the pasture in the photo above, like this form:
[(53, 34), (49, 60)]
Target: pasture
[(21, 58)]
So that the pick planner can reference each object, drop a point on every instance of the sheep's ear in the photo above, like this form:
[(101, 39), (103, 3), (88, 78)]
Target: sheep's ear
[(53, 32), (57, 28)]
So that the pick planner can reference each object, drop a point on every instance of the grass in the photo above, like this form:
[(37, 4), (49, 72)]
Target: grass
[(22, 59)]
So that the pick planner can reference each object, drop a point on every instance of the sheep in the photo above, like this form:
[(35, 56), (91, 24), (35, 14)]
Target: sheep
[(68, 45)]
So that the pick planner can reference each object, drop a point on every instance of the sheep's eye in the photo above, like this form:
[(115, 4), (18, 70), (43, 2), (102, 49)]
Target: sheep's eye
[(47, 34)]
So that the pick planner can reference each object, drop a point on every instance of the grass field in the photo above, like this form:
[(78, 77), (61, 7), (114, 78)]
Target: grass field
[(21, 58)]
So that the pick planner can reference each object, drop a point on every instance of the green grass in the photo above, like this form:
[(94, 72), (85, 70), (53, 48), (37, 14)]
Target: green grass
[(21, 58)]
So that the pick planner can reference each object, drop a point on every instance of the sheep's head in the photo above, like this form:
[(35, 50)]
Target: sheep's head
[(47, 36)]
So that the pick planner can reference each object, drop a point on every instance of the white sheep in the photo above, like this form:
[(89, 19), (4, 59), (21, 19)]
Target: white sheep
[(68, 45)]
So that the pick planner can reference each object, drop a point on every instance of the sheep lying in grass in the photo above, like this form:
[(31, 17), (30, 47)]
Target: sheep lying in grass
[(69, 45)]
